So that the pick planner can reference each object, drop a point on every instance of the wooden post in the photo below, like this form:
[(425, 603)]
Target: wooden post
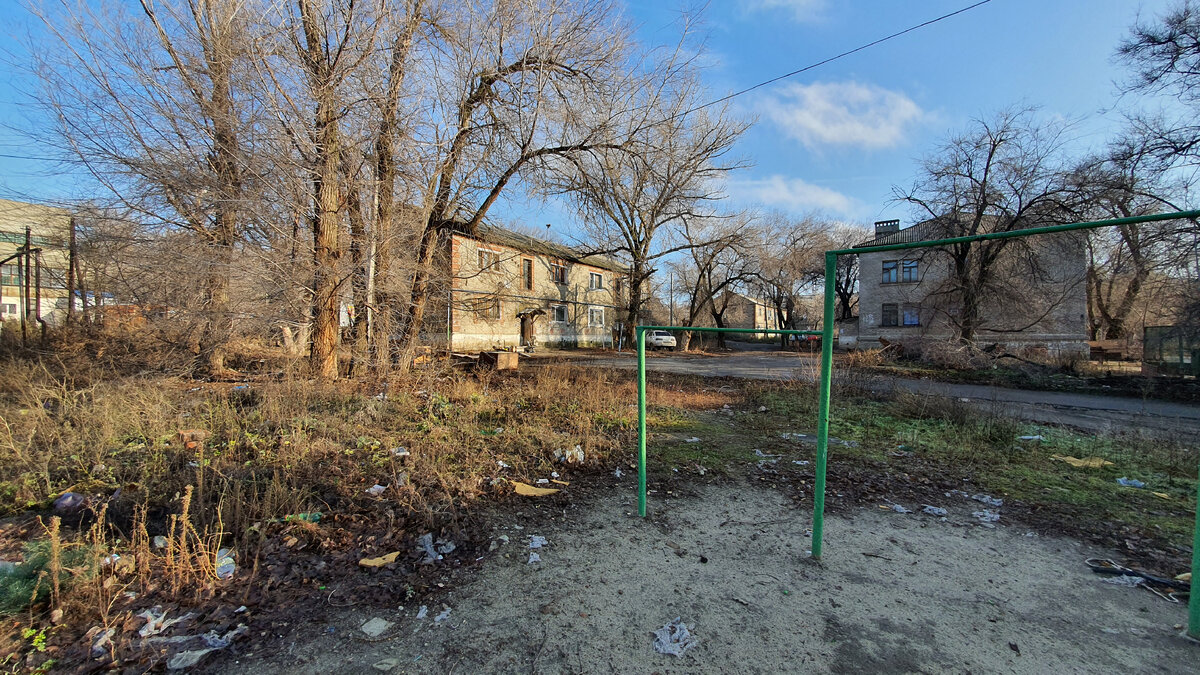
[(71, 272)]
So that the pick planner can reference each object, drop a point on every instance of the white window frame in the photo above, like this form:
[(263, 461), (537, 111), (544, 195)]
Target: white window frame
[(595, 281), (566, 314), (592, 311)]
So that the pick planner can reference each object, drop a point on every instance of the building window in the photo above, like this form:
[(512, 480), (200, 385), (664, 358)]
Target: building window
[(8, 309), (618, 284), (908, 271), (489, 261), (560, 313), (527, 274), (558, 273), (891, 315), (487, 308), (595, 281), (912, 315), (890, 272), (596, 317), (9, 275)]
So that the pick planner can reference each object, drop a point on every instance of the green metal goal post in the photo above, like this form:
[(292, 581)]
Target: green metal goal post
[(826, 334)]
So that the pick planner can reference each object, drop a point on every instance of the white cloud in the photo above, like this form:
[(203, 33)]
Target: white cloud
[(802, 10), (794, 195), (843, 113)]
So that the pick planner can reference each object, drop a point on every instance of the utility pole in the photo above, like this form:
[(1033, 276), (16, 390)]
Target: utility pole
[(671, 298)]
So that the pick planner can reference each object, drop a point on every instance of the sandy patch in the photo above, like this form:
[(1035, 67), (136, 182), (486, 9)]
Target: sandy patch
[(894, 593)]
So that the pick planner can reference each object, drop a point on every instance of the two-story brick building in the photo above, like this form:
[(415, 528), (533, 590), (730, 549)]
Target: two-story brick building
[(506, 289), (904, 295)]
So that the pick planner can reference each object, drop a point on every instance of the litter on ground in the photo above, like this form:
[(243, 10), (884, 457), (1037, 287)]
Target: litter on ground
[(537, 541), (1130, 482), (934, 510), (990, 501), (534, 557), (1084, 463), (528, 490), (986, 516), (674, 638)]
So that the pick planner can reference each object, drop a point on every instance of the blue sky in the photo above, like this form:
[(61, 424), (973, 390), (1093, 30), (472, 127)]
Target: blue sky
[(837, 138)]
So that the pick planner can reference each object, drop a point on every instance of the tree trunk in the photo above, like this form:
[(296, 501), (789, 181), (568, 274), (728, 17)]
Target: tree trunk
[(326, 248), (360, 274)]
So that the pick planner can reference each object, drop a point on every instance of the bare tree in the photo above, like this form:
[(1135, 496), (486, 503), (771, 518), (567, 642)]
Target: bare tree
[(720, 259), (845, 283), (1126, 181), (1164, 55), (517, 84), (1000, 175), (153, 103), (666, 170), (790, 263)]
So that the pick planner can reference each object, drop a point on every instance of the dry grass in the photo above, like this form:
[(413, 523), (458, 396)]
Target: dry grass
[(256, 453)]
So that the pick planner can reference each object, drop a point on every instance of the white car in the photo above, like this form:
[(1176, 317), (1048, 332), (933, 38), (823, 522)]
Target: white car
[(660, 339)]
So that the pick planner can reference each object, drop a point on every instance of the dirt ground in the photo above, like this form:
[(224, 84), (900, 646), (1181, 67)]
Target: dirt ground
[(894, 593)]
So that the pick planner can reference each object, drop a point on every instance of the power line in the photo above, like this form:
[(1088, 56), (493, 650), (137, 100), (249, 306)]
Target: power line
[(832, 58), (735, 94)]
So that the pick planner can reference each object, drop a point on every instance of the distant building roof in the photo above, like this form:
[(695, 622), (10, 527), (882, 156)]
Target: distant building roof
[(524, 242)]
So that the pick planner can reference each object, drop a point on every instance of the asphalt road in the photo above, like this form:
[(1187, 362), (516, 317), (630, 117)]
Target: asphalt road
[(1162, 419)]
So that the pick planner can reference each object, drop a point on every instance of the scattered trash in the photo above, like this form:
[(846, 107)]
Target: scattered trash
[(102, 641), (1161, 495), (313, 517), (421, 613), (990, 501), (543, 481), (211, 641), (426, 545), (375, 627), (762, 408), (381, 560), (1186, 576), (1167, 589), (225, 563), (760, 453), (240, 387), (895, 507), (1124, 580), (531, 491), (376, 490), (68, 502), (445, 614), (574, 455), (534, 557), (1039, 437), (934, 510), (986, 516), (800, 462), (1130, 482), (159, 541), (537, 541), (674, 638), (503, 464), (1084, 463), (559, 482), (157, 622), (554, 474), (958, 493), (617, 473), (400, 452), (445, 546), (693, 439)]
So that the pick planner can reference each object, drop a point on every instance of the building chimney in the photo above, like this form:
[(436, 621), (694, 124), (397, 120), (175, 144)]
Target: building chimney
[(884, 227)]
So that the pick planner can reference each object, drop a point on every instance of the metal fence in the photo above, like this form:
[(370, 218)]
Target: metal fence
[(1172, 350)]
